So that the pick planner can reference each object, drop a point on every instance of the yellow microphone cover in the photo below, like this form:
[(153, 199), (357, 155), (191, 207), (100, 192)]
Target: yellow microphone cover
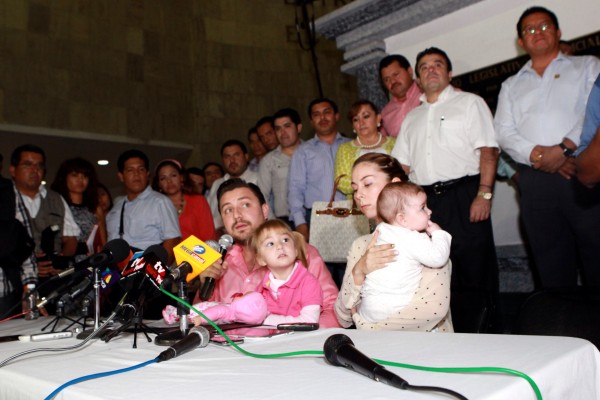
[(197, 253)]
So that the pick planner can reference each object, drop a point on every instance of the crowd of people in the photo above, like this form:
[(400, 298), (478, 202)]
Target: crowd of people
[(432, 250)]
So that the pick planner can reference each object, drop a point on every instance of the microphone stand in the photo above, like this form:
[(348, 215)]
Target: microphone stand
[(136, 320), (171, 337), (88, 332), (60, 306)]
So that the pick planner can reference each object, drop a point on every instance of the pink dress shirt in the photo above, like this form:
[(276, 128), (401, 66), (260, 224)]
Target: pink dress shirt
[(301, 290), (394, 112), (239, 279)]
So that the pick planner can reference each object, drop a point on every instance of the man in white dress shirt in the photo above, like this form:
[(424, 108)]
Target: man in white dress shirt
[(447, 145), (539, 121)]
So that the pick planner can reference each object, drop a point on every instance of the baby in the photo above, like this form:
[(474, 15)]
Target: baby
[(402, 206)]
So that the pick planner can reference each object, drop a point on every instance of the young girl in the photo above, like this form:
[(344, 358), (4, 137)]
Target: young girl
[(292, 293)]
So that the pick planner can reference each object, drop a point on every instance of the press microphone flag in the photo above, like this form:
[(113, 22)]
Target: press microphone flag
[(152, 263), (196, 253)]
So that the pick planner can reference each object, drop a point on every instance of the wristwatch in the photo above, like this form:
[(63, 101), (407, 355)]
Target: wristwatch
[(485, 195), (567, 152)]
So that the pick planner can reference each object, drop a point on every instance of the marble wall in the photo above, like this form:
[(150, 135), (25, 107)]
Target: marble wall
[(186, 71)]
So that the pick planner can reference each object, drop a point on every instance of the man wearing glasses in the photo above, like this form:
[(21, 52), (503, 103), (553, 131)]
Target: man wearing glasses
[(39, 210), (538, 123)]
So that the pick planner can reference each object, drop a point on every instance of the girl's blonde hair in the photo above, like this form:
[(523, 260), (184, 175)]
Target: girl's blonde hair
[(282, 227)]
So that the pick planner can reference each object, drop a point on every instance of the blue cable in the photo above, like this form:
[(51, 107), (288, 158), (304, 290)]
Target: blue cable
[(100, 375)]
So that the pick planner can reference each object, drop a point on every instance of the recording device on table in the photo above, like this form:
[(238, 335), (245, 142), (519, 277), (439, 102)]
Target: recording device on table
[(254, 333), (299, 326), (42, 337), (224, 244), (239, 333)]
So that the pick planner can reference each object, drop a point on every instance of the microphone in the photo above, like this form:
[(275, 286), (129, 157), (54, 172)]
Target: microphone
[(192, 256), (156, 265), (39, 337), (77, 290), (225, 243), (151, 263), (114, 251), (198, 337), (340, 351), (182, 270), (61, 289), (66, 301), (134, 277)]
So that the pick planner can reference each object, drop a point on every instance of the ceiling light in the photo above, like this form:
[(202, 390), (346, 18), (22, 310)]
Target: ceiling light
[(103, 162)]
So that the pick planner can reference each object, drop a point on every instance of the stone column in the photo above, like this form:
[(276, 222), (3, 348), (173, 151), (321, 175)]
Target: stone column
[(369, 85), (361, 27)]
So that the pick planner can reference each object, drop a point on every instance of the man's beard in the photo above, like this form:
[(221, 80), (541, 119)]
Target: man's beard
[(242, 237)]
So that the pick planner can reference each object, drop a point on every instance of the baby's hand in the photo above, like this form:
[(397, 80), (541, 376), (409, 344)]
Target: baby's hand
[(432, 227)]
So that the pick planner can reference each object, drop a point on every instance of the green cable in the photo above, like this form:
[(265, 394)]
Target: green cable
[(278, 355), (507, 371)]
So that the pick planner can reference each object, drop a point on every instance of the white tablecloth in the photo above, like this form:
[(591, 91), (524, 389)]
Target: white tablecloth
[(563, 368)]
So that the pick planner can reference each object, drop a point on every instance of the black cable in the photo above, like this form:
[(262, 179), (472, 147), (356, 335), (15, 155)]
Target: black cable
[(436, 389)]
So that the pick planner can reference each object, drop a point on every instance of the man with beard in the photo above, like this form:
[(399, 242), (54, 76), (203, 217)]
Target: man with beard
[(243, 209), (235, 161)]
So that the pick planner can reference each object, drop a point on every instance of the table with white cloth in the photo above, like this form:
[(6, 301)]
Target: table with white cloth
[(563, 368)]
